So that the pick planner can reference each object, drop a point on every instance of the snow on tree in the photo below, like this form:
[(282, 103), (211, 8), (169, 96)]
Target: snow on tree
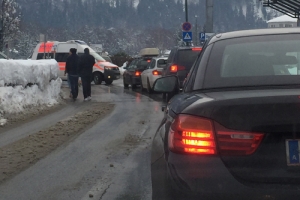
[(9, 21)]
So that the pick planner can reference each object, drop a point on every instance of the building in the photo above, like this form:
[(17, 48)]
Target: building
[(282, 21)]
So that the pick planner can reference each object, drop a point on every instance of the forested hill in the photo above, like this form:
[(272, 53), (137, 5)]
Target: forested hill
[(132, 21)]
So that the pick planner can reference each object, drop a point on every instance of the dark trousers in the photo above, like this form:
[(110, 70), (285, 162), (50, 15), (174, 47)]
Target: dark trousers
[(74, 85), (86, 86)]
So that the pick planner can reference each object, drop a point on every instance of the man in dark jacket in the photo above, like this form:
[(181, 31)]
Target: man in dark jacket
[(72, 70), (86, 64)]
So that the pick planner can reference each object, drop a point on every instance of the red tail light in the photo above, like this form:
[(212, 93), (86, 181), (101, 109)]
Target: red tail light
[(189, 134), (155, 72), (195, 135), (148, 61), (197, 49), (137, 73), (237, 142), (176, 68)]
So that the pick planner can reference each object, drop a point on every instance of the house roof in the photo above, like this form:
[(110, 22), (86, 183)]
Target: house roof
[(283, 18)]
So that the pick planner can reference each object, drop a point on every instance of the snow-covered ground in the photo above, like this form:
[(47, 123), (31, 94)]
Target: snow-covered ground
[(19, 73)]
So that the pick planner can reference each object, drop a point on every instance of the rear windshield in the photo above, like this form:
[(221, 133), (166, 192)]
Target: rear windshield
[(187, 58), (254, 61)]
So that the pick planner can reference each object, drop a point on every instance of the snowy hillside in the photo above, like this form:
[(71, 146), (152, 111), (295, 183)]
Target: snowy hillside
[(128, 25)]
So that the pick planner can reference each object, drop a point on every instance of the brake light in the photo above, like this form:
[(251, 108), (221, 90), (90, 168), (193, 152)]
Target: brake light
[(176, 68), (148, 61), (189, 134), (155, 72), (197, 49), (237, 142), (137, 73)]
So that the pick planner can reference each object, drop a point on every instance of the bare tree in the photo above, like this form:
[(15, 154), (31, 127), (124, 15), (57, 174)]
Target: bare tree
[(9, 21)]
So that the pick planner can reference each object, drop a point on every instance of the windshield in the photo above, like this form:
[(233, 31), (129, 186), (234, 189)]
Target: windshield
[(187, 58), (97, 56), (254, 61)]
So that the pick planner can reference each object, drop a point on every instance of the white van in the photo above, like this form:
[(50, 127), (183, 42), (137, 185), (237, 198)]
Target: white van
[(102, 71)]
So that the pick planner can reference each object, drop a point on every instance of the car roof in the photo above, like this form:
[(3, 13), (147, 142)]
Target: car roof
[(187, 47), (254, 32)]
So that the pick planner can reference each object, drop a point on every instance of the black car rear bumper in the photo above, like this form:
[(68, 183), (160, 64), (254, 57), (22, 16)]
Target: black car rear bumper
[(136, 81), (206, 177)]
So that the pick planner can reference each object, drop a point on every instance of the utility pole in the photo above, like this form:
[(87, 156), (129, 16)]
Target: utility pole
[(186, 11), (196, 29), (209, 25), (2, 26)]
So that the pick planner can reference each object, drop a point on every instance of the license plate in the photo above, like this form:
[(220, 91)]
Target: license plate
[(293, 152)]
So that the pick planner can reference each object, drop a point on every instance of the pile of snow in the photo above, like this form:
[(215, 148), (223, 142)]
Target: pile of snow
[(21, 73), (24, 72)]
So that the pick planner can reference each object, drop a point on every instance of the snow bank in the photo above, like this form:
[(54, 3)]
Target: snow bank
[(24, 72), (43, 74)]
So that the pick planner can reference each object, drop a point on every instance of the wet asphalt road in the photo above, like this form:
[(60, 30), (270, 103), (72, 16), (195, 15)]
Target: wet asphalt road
[(110, 160)]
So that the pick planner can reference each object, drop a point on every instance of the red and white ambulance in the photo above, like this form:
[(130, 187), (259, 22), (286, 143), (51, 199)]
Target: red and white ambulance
[(102, 71)]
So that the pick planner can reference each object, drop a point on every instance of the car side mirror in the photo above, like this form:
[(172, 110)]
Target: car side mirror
[(167, 84)]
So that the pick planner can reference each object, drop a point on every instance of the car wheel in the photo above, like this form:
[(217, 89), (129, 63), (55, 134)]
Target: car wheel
[(98, 78), (125, 85), (149, 89), (108, 82)]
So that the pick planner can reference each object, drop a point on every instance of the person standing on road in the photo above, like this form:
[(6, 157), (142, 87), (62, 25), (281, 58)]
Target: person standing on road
[(72, 70), (85, 70), (68, 77)]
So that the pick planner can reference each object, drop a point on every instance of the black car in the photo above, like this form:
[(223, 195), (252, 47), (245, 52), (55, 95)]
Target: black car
[(234, 131), (132, 75), (180, 61)]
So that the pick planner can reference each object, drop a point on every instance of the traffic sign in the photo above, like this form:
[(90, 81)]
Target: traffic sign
[(187, 36), (202, 36), (186, 26), (205, 36)]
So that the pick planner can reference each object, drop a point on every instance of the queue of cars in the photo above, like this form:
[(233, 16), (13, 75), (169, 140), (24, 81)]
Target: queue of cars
[(150, 65), (234, 131), (132, 74)]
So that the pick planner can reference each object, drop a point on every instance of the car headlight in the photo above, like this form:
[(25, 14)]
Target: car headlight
[(107, 68)]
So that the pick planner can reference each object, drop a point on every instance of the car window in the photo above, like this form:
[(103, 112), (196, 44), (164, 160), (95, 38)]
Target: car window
[(170, 58), (161, 63), (50, 56), (186, 58), (142, 64), (61, 57), (259, 60), (152, 64)]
